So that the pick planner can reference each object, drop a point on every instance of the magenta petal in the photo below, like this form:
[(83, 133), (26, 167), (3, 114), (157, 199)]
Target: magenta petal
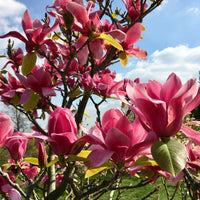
[(96, 49), (62, 143), (25, 97), (6, 128), (118, 142), (15, 35), (170, 87), (110, 118), (194, 103), (192, 134), (94, 137), (78, 11), (133, 34), (48, 92), (98, 157), (26, 21)]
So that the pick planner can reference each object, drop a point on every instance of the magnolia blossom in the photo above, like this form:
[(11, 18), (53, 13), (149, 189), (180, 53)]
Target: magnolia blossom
[(11, 89), (6, 128), (16, 146), (34, 31), (39, 80), (118, 139), (162, 107), (62, 130)]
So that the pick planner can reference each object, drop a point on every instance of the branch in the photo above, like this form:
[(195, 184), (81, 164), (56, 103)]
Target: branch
[(14, 185)]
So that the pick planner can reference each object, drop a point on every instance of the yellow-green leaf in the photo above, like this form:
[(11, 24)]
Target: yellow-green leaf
[(28, 63), (123, 58), (52, 162), (82, 156), (56, 36), (31, 160), (15, 100), (145, 161), (95, 170), (6, 166), (32, 102), (84, 153), (114, 15), (88, 116), (75, 93), (111, 41)]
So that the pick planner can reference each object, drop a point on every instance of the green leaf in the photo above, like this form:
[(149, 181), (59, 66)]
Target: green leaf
[(28, 63), (110, 40), (95, 170), (170, 156), (52, 162), (2, 56), (15, 100), (145, 161), (123, 58), (75, 93), (3, 72), (31, 160), (32, 102)]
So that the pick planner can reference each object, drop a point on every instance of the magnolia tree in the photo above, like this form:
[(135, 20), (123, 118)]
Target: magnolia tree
[(77, 51)]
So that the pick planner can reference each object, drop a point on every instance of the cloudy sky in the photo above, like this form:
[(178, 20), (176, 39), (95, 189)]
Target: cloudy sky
[(171, 37)]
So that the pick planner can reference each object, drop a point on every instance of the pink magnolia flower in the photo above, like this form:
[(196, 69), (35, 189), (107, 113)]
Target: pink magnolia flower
[(16, 146), (42, 155), (118, 139), (62, 130), (9, 88), (39, 80), (162, 107), (133, 10), (6, 188), (30, 171), (6, 128), (16, 59), (193, 156), (101, 82), (35, 32)]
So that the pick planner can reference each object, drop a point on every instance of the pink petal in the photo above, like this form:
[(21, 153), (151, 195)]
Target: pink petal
[(96, 49), (133, 34), (98, 157), (26, 21), (192, 134), (15, 35), (118, 142), (25, 96), (170, 88), (78, 11), (48, 92)]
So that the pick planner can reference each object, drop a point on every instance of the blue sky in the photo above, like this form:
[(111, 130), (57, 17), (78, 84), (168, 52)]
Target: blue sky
[(172, 38)]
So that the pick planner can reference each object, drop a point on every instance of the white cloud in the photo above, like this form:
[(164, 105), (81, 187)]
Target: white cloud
[(10, 18), (193, 10), (182, 60), (11, 8)]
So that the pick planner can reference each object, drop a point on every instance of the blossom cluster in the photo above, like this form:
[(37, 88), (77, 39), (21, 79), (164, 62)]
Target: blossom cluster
[(77, 50)]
